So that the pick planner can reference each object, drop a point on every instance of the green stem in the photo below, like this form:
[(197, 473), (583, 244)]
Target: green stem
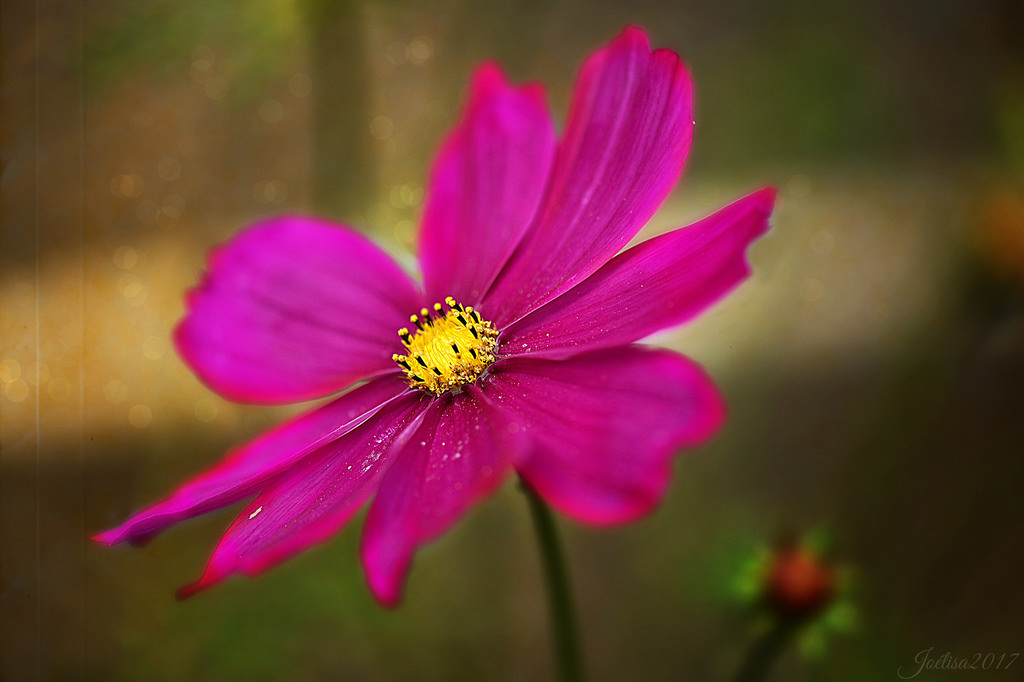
[(765, 650), (563, 622)]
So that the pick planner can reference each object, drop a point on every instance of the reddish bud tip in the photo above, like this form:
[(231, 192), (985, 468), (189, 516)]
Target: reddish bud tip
[(798, 584)]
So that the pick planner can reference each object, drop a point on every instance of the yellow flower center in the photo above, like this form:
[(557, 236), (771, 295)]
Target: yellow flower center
[(449, 349)]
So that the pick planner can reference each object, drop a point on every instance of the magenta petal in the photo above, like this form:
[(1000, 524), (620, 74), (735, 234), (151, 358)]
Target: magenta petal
[(627, 136), (244, 470), (485, 186), (312, 500), (657, 284), (295, 308), (596, 434), (451, 462)]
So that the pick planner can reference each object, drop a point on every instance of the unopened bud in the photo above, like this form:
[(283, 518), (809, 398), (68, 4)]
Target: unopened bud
[(798, 584)]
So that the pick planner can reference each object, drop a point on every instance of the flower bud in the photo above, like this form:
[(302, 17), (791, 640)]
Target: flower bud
[(798, 584)]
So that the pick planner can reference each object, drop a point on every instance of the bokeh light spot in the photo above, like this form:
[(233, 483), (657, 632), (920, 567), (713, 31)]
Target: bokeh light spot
[(173, 206), (10, 369), (398, 53), (154, 348), (140, 416), (115, 391), (135, 294), (300, 85), (381, 127), (420, 49), (127, 185), (269, 191), (205, 410), (203, 58), (169, 168), (16, 391), (126, 258), (216, 88), (271, 111)]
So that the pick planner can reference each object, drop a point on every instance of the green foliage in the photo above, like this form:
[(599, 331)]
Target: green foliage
[(251, 40), (1010, 113)]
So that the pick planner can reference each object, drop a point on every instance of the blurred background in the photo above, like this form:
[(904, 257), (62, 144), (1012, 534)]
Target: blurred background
[(874, 363)]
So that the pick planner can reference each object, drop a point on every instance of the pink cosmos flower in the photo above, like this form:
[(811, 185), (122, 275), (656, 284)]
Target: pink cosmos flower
[(519, 354)]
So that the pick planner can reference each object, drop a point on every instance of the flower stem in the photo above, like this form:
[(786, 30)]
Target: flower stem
[(563, 621), (765, 650)]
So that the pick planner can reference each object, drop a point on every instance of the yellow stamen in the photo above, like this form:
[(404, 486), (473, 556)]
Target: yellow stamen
[(448, 349)]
